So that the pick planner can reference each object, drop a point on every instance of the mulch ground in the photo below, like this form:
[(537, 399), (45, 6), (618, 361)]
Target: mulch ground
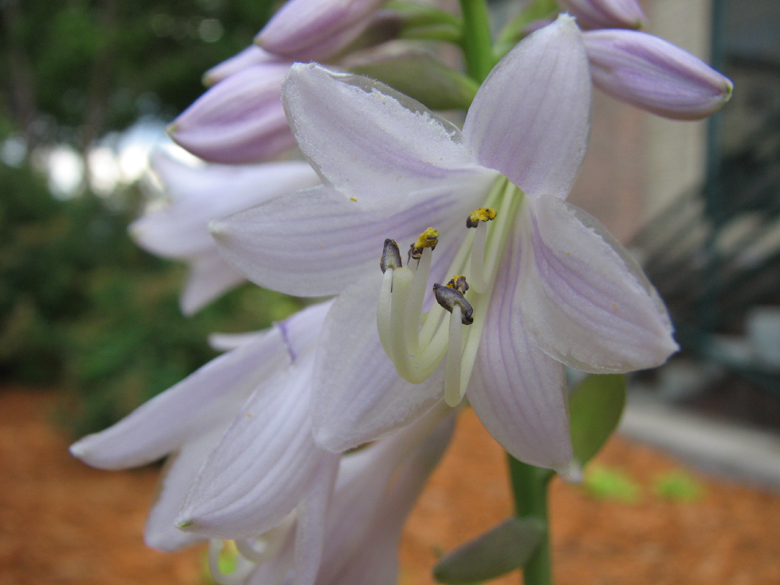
[(62, 523)]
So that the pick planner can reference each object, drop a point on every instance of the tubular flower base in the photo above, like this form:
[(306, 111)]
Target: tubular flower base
[(543, 282)]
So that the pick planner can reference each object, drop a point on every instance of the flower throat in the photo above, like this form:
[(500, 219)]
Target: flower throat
[(416, 342)]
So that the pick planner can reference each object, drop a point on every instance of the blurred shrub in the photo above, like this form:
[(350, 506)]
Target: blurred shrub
[(83, 308)]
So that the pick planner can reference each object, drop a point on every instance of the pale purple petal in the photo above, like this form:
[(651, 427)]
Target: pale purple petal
[(199, 194), (209, 397), (252, 55), (264, 464), (655, 75), (529, 119), (305, 30), (585, 300), (299, 332), (316, 242), (358, 395), (375, 560), (605, 13), (517, 391), (180, 470), (311, 536), (209, 277), (238, 121), (231, 341), (368, 140)]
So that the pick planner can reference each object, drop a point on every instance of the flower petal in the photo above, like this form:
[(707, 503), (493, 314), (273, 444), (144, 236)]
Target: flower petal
[(264, 464), (209, 397), (335, 240), (529, 119), (310, 536), (210, 275), (517, 391), (375, 560), (252, 55), (199, 194), (305, 30), (605, 13), (180, 470), (368, 140), (238, 121), (585, 300), (655, 75), (358, 395)]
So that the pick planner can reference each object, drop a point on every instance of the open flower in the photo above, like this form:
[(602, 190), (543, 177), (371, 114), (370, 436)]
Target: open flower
[(374, 492), (187, 421), (545, 285), (197, 195)]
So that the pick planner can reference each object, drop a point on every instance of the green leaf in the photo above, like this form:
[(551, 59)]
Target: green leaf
[(678, 486), (606, 483), (502, 549), (595, 407), (418, 74)]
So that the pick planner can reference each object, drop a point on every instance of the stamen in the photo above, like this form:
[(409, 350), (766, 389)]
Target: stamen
[(477, 219), (428, 239), (458, 282), (242, 569), (449, 298), (482, 214), (452, 373), (391, 256)]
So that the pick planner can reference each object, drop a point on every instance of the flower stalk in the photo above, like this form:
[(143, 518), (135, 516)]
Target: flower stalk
[(477, 42), (529, 489)]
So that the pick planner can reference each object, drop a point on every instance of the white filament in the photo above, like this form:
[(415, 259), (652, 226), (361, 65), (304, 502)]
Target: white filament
[(417, 351)]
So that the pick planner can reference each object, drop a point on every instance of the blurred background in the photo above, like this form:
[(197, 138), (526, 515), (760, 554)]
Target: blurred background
[(90, 325)]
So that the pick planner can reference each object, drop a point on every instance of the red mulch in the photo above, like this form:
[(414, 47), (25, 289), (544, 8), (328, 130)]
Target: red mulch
[(62, 523)]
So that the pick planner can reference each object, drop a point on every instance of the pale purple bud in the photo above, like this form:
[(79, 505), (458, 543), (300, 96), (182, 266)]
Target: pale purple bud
[(655, 75), (252, 55), (306, 30), (238, 121), (605, 13)]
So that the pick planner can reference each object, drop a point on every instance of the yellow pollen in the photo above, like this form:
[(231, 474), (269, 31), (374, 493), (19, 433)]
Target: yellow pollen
[(428, 239), (458, 282), (481, 214)]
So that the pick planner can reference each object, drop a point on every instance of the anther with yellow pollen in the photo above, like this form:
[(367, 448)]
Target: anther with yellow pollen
[(416, 343), (428, 239)]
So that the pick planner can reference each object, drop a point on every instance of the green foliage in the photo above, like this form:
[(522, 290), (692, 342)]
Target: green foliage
[(82, 307), (678, 486), (605, 483), (87, 65), (500, 550), (595, 408)]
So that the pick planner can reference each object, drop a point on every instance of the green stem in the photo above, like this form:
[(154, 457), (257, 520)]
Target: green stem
[(477, 42), (529, 485)]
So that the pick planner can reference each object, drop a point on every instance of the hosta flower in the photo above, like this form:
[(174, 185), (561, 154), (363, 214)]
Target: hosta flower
[(187, 421), (544, 285), (655, 75), (198, 195), (375, 490), (240, 119), (605, 13), (303, 30)]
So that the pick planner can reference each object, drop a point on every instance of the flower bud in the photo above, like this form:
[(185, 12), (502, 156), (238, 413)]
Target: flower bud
[(306, 30), (239, 120), (252, 55), (654, 75), (605, 13)]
